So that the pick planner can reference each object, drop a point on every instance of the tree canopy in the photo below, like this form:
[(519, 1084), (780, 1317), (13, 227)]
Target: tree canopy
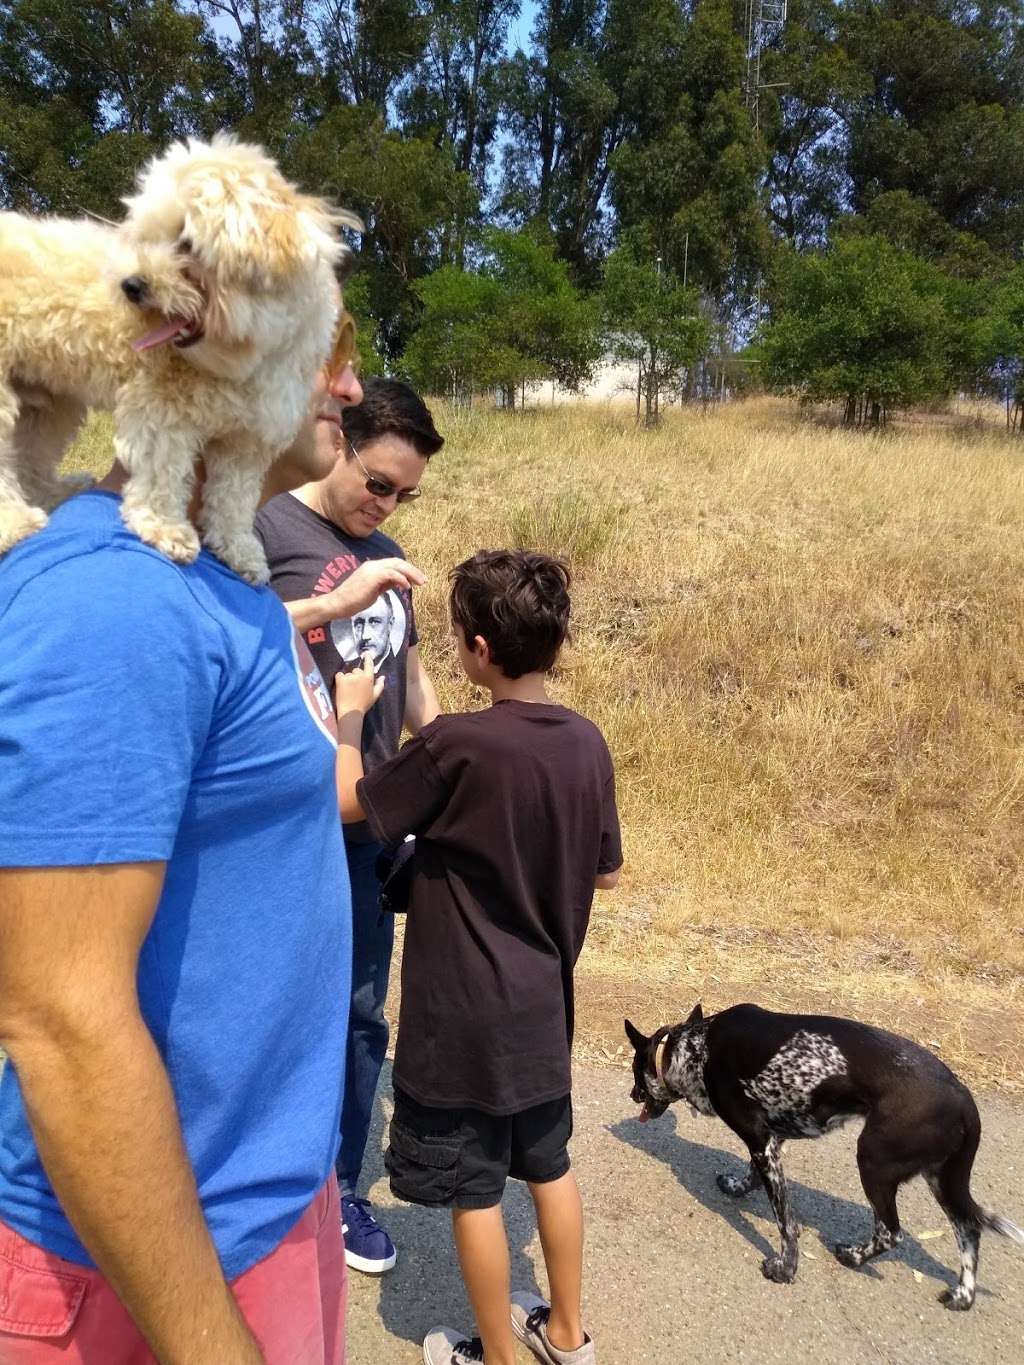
[(515, 319), (613, 132), (865, 323)]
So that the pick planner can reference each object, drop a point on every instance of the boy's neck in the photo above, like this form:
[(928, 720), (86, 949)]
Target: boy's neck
[(530, 687)]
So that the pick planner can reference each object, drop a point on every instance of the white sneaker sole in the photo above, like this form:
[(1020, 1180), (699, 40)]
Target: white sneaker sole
[(367, 1266)]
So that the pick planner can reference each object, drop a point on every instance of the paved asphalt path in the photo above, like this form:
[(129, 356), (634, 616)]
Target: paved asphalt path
[(673, 1266)]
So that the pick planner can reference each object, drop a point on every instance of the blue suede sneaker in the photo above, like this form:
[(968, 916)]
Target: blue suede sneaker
[(367, 1246)]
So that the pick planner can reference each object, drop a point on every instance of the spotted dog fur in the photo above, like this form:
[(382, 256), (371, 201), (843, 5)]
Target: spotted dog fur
[(776, 1076), (785, 1087), (684, 1075)]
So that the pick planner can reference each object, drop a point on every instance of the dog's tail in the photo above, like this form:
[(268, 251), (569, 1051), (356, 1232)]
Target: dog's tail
[(953, 1185), (995, 1223)]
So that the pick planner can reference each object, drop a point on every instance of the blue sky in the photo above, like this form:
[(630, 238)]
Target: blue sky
[(519, 32), (518, 36)]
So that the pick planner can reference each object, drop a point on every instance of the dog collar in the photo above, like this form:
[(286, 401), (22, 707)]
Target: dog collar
[(659, 1060)]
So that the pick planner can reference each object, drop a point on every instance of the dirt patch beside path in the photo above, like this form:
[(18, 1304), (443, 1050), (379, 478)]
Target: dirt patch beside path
[(975, 1023)]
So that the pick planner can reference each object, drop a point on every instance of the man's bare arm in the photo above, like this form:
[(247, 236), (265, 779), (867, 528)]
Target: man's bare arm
[(421, 706), (355, 593), (101, 1105)]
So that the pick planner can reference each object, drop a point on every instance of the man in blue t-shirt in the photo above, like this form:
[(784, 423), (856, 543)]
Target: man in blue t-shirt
[(175, 952)]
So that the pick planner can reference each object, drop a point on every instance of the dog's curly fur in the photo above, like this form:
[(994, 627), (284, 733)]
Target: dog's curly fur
[(201, 321)]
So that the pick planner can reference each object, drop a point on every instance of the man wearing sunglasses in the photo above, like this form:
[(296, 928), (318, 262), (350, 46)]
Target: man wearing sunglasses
[(348, 589)]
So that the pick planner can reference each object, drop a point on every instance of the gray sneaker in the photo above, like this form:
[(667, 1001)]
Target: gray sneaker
[(530, 1324), (443, 1346)]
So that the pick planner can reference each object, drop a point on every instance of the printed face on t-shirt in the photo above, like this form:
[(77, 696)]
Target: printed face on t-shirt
[(371, 628), (378, 630)]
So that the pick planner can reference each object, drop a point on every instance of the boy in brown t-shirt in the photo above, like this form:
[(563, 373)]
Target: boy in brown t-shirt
[(513, 809)]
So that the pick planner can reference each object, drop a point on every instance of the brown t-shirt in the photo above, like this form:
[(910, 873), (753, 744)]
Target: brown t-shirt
[(514, 814)]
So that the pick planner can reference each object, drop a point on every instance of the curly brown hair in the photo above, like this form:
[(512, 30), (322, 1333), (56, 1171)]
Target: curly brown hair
[(518, 601)]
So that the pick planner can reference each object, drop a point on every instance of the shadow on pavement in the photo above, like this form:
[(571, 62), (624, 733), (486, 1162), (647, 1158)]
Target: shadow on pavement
[(834, 1219), (425, 1289)]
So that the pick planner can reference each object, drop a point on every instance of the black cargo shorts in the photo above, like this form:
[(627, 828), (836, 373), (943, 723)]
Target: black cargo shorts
[(461, 1158)]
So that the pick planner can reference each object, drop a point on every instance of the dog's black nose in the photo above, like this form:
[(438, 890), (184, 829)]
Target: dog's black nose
[(134, 288)]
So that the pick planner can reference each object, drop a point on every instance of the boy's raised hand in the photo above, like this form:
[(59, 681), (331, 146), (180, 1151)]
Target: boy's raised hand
[(358, 690)]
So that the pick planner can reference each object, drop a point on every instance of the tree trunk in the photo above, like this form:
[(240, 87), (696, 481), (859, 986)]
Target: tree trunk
[(850, 413), (651, 399)]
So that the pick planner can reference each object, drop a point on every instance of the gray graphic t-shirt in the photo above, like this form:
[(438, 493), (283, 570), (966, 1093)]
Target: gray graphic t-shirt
[(308, 556)]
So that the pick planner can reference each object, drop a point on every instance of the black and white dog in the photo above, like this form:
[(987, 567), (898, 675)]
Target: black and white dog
[(777, 1076)]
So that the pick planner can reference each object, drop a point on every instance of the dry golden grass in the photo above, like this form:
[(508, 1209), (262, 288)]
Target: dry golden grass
[(806, 650)]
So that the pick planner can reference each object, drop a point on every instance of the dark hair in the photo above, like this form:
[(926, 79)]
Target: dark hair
[(518, 601), (391, 408)]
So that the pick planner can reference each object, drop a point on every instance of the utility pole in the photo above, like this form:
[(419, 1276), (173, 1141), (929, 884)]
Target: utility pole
[(765, 21), (652, 378)]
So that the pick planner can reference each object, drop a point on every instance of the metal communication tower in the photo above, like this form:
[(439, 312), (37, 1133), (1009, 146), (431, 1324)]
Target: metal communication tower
[(765, 19)]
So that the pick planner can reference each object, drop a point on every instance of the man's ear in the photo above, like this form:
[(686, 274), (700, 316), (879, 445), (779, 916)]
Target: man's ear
[(481, 649), (634, 1035), (696, 1015)]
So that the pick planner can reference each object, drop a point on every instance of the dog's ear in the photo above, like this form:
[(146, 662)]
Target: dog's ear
[(634, 1035), (246, 219), (696, 1016)]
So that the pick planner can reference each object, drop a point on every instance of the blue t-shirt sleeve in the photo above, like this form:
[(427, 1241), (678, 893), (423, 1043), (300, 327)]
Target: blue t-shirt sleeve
[(109, 672)]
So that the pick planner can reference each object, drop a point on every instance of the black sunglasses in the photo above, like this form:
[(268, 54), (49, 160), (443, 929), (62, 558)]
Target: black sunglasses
[(380, 488)]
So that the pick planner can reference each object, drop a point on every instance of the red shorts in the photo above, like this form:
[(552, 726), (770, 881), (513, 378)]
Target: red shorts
[(54, 1312)]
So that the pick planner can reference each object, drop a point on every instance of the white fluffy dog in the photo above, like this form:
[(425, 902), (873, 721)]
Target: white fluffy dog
[(202, 321)]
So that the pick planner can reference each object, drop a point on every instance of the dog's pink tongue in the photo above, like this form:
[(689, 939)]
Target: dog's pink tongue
[(644, 1116), (167, 332)]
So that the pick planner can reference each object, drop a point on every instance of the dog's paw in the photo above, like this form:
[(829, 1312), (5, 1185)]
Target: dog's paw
[(735, 1186), (176, 539), (778, 1270), (957, 1300), (849, 1255), (18, 523)]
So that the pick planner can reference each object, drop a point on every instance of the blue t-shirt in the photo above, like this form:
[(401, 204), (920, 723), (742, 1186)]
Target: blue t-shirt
[(157, 712)]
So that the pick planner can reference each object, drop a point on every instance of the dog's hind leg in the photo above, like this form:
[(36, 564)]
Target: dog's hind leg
[(235, 470), (967, 1231), (46, 427), (951, 1186), (18, 518), (881, 1178), (736, 1186), (768, 1165)]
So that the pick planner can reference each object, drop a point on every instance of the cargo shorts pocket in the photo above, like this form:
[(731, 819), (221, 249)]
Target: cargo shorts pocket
[(423, 1170), (38, 1302)]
